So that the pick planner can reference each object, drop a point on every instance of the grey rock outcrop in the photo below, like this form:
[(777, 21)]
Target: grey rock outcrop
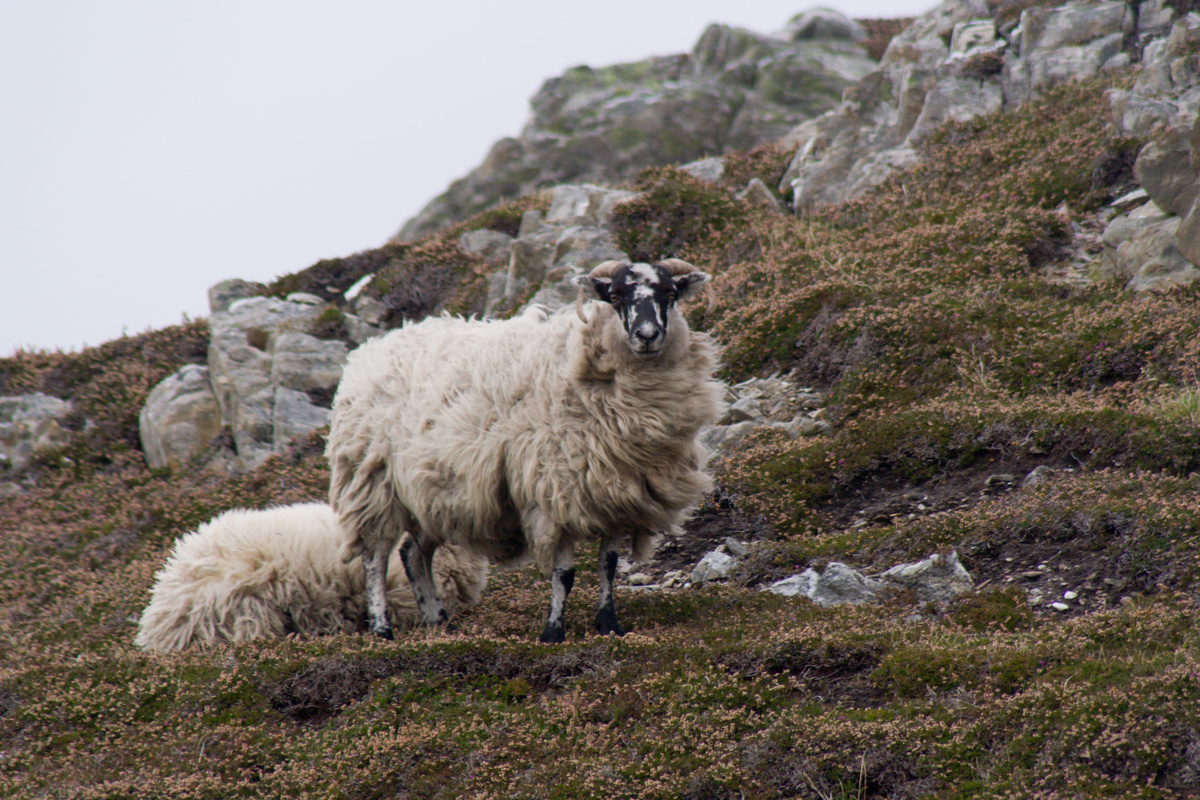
[(1164, 169), (735, 90), (224, 294), (936, 579), (28, 423), (922, 83), (1158, 244), (492, 246), (549, 251), (254, 345), (268, 381), (1141, 250)]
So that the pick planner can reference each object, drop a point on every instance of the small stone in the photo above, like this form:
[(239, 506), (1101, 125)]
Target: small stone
[(304, 298), (1039, 475), (1126, 201), (370, 310), (708, 170), (749, 406), (756, 193), (713, 566), (1070, 595), (796, 586), (640, 579), (734, 547), (1060, 607)]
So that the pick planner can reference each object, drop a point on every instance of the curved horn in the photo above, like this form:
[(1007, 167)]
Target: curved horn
[(677, 266), (605, 269)]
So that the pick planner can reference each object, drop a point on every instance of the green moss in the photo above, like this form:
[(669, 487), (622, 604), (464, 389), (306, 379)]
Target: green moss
[(998, 609)]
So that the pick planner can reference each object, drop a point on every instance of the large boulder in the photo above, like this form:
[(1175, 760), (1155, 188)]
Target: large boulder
[(181, 419), (937, 579), (1164, 169)]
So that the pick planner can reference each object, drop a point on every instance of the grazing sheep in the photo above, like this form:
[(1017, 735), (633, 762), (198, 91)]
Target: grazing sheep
[(257, 574), (527, 436)]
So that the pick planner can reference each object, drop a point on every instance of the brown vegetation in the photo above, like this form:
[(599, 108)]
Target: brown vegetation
[(931, 314)]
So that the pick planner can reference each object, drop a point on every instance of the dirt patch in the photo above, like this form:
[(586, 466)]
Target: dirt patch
[(321, 690), (828, 673)]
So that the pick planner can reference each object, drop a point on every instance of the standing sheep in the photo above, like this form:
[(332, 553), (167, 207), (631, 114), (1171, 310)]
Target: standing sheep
[(527, 436), (256, 574)]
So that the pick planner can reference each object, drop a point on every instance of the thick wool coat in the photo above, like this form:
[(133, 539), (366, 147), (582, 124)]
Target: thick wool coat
[(507, 436)]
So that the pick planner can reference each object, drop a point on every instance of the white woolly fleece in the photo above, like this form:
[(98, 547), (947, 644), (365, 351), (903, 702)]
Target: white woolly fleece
[(257, 574), (506, 437)]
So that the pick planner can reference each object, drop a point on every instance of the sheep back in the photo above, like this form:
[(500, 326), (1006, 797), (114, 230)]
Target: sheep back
[(263, 574)]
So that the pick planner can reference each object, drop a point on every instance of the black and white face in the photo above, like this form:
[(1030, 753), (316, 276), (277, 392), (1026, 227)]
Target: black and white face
[(642, 295)]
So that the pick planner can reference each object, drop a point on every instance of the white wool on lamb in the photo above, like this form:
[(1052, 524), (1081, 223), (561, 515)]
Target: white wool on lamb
[(527, 436), (261, 574)]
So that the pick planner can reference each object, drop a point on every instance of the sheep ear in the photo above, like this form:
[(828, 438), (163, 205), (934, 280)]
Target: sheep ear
[(690, 283), (595, 288)]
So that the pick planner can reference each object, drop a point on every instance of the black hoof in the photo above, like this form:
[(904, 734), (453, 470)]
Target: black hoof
[(385, 633), (553, 634), (606, 623)]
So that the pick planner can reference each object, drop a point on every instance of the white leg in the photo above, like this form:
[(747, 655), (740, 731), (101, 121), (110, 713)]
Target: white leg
[(375, 567), (561, 581)]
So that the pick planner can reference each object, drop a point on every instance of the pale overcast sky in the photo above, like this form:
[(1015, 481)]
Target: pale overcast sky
[(149, 149)]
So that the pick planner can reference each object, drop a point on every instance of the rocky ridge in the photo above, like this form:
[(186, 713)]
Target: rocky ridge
[(735, 90)]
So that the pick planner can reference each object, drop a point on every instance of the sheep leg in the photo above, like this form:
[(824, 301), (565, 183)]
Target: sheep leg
[(561, 581), (375, 567), (417, 554), (606, 612)]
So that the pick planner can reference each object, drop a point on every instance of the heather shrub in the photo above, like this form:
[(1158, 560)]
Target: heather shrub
[(932, 315)]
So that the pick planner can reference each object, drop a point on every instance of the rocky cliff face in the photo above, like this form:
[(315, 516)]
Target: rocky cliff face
[(960, 61), (735, 90)]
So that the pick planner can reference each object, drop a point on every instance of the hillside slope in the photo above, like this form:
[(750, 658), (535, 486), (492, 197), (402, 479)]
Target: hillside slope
[(984, 395)]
